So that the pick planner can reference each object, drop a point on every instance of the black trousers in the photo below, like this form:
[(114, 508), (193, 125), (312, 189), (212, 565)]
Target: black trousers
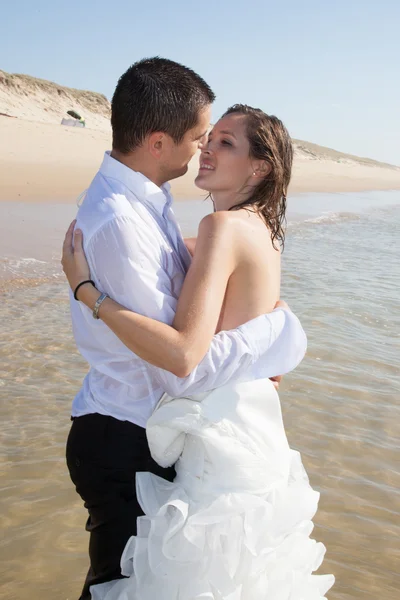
[(103, 457)]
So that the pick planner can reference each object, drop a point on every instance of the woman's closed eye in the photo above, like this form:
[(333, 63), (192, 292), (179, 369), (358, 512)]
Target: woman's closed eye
[(222, 142)]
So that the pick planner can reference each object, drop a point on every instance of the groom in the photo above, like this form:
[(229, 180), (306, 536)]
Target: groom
[(160, 117)]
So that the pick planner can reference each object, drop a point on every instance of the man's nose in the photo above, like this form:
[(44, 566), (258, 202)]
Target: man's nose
[(203, 142)]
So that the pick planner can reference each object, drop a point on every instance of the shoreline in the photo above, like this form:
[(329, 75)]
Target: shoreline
[(49, 163), (31, 234)]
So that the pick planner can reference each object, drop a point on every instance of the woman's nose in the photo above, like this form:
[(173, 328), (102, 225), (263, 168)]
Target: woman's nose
[(205, 148)]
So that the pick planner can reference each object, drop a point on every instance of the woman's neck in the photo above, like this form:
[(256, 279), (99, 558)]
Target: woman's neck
[(225, 200)]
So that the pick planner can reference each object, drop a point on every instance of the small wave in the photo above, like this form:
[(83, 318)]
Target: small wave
[(324, 219), (21, 271), (334, 217), (28, 267), (17, 263)]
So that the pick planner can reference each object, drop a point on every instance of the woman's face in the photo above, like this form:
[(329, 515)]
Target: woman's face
[(225, 163)]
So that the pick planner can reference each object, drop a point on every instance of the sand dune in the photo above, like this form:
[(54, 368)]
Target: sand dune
[(33, 99), (41, 160)]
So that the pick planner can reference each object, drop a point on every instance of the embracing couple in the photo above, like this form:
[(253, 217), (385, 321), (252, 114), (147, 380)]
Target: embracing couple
[(177, 445)]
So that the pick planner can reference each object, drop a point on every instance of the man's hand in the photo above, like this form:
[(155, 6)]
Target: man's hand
[(282, 304), (278, 378), (276, 381)]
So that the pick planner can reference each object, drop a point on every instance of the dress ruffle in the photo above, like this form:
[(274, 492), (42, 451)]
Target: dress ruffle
[(238, 547), (236, 522)]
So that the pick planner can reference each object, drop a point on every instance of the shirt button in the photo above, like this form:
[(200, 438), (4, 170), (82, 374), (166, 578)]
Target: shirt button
[(77, 462)]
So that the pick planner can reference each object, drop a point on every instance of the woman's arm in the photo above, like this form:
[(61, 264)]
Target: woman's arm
[(179, 348)]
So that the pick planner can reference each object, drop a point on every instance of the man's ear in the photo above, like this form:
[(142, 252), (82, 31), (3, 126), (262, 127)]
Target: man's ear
[(155, 144)]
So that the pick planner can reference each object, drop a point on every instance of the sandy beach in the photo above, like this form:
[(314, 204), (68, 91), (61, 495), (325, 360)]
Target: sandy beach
[(44, 162)]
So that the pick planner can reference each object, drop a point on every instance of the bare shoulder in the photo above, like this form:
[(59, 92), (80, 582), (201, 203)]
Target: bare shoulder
[(216, 224), (224, 220), (240, 229), (217, 219), (216, 240)]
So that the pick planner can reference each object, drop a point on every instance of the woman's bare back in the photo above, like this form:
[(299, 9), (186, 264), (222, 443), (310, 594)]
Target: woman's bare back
[(254, 287)]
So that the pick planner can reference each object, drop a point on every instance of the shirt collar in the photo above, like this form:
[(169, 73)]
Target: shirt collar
[(145, 190)]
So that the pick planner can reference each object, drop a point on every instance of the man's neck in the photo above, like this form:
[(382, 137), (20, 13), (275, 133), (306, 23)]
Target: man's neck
[(139, 163)]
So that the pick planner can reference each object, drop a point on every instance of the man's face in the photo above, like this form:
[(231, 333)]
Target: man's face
[(177, 156)]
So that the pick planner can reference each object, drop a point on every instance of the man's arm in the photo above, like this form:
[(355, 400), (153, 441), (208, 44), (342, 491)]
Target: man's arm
[(270, 345), (190, 244), (181, 347), (126, 263), (127, 268)]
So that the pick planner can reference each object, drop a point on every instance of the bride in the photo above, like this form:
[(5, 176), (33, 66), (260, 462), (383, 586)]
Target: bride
[(236, 521)]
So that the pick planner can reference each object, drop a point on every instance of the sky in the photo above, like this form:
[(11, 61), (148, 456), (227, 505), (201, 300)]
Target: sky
[(328, 69)]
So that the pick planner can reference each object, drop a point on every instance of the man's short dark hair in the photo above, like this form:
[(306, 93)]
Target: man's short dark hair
[(156, 94)]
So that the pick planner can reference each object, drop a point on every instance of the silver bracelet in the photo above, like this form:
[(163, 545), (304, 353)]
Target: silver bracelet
[(96, 307)]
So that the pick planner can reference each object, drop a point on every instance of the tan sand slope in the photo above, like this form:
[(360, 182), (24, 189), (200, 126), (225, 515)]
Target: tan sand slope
[(42, 160), (35, 99)]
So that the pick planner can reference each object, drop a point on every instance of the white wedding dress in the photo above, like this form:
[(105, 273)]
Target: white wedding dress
[(235, 523)]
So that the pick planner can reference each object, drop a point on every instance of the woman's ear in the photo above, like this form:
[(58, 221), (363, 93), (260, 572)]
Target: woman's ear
[(261, 168)]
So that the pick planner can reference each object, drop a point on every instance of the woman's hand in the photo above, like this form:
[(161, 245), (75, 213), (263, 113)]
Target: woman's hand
[(73, 259)]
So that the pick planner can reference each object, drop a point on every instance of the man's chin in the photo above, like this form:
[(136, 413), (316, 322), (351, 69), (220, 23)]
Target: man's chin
[(180, 173)]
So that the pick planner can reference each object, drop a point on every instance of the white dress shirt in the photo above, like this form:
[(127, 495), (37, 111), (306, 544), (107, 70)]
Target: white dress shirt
[(137, 256)]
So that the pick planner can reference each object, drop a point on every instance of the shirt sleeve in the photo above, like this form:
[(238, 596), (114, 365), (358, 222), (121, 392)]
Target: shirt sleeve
[(270, 345), (128, 266)]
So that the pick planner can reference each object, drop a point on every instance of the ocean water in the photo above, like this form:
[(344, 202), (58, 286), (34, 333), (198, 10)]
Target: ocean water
[(341, 407)]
